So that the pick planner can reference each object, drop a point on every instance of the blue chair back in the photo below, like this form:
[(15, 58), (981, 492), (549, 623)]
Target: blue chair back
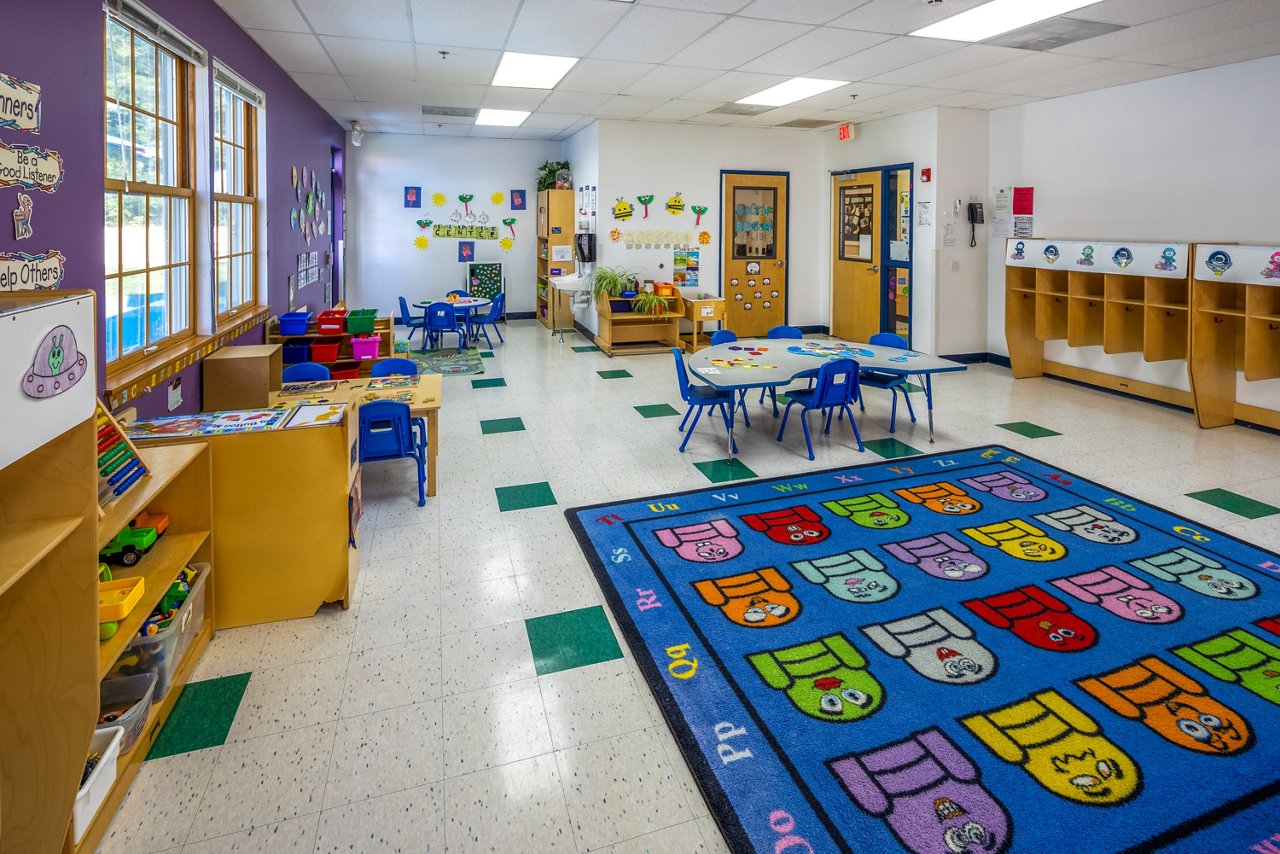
[(385, 433), (784, 332), (496, 310), (394, 367), (304, 372), (837, 383), (405, 316), (440, 316), (457, 294), (723, 336), (889, 339), (682, 375)]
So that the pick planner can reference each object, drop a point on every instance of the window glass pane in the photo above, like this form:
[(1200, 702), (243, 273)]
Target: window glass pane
[(111, 330), (158, 306), (144, 149), (754, 213), (166, 85), (144, 74), (239, 185), (157, 231), (237, 282), (111, 233), (237, 229), (167, 155), (857, 221), (119, 143), (134, 232), (222, 287), (119, 81), (178, 231), (180, 312), (222, 230), (238, 109), (134, 296)]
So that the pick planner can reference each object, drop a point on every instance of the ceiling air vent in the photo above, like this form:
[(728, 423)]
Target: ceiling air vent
[(806, 124), (1054, 32), (742, 109), (454, 112)]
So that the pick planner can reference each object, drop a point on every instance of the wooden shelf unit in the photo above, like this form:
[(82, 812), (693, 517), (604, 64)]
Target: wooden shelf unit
[(383, 327), (699, 312), (555, 228), (623, 332)]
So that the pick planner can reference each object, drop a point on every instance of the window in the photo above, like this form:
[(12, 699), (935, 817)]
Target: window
[(148, 298), (235, 245), (754, 210)]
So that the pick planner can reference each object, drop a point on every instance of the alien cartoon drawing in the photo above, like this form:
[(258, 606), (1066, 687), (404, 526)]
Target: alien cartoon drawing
[(1061, 747), (1172, 705), (1089, 523), (1018, 249), (874, 511), (825, 678), (1036, 616), (936, 645), (759, 599), (942, 497), (1123, 257), (1018, 538), (1168, 260), (940, 555), (1051, 253), (855, 576), (1127, 596), (1240, 657), (1272, 270), (791, 526), (1086, 257), (1218, 262), (1008, 485), (1197, 572), (705, 542), (929, 793)]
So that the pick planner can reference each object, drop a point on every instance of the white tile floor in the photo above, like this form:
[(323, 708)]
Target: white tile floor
[(415, 721)]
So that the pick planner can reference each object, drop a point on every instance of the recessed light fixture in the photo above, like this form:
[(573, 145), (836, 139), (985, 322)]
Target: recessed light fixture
[(502, 118), (795, 89), (996, 17), (532, 70)]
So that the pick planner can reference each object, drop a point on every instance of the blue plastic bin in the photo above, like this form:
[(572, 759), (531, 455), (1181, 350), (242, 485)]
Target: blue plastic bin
[(296, 350), (294, 322)]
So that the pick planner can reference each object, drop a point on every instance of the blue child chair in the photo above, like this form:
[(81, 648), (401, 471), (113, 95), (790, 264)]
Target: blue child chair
[(893, 383), (304, 372), (776, 333), (407, 319), (699, 397), (723, 336), (441, 319), (388, 433), (395, 367), (836, 388), (496, 311)]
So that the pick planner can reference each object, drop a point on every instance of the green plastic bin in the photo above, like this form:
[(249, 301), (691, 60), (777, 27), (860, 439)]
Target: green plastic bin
[(362, 320)]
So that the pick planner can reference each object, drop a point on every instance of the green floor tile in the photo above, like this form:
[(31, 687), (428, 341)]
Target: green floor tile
[(1241, 505), (589, 348), (657, 410), (571, 639), (501, 425), (1031, 431), (613, 375), (912, 387), (890, 449), (722, 471), (486, 354), (525, 495), (496, 382), (201, 717)]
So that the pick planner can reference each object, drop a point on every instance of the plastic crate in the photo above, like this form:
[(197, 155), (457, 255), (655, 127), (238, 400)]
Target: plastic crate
[(349, 374), (132, 694), (296, 350), (361, 319), (294, 322), (105, 743), (325, 349), (365, 347), (330, 322), (161, 654)]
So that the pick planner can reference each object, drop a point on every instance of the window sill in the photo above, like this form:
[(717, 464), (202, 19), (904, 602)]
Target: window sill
[(131, 382)]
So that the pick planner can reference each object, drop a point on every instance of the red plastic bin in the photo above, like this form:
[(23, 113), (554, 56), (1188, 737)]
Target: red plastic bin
[(365, 347), (325, 349), (349, 374), (330, 322)]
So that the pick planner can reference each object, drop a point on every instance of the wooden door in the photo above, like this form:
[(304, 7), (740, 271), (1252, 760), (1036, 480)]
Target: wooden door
[(753, 247), (855, 256)]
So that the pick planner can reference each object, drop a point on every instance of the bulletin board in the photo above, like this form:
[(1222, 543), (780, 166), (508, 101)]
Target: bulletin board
[(485, 279)]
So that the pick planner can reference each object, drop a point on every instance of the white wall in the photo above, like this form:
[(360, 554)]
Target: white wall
[(384, 262), (960, 286)]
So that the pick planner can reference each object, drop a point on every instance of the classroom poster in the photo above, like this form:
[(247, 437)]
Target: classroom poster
[(316, 415)]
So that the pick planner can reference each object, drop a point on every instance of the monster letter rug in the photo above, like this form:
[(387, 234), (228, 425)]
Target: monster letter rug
[(963, 652)]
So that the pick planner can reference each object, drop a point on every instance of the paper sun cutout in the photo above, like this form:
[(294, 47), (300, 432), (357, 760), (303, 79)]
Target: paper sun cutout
[(438, 199), (615, 235), (704, 237), (505, 244), (497, 198), (421, 242)]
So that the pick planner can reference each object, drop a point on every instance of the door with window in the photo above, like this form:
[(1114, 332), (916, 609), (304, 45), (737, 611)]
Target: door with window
[(754, 251), (871, 254)]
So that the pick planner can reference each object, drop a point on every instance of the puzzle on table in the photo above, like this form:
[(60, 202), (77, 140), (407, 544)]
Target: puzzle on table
[(971, 651), (749, 358)]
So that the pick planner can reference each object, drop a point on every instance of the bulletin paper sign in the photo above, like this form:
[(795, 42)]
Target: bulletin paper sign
[(30, 167), (22, 272), (1248, 265), (19, 104), (1160, 260)]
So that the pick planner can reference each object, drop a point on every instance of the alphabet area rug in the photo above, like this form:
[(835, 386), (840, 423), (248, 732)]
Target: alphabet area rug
[(963, 652)]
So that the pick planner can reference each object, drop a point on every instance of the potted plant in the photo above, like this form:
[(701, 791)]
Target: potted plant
[(648, 302), (548, 173), (609, 282)]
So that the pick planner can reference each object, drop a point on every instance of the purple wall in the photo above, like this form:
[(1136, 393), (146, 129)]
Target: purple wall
[(299, 133)]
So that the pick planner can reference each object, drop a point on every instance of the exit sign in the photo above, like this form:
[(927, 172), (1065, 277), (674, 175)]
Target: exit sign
[(845, 132)]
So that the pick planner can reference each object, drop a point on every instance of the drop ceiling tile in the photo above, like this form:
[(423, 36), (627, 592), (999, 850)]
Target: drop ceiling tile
[(807, 12), (433, 121), (671, 81), (524, 132), (897, 16), (712, 119), (507, 98), (447, 130), (964, 99), (408, 128), (256, 15), (1132, 12), (726, 7), (627, 106), (367, 58), (838, 116), (651, 34), (450, 95), (326, 87), (904, 100), (1036, 63), (574, 102), (940, 68), (552, 121), (448, 22), (679, 110), (734, 85), (602, 75), (562, 27), (1084, 73), (773, 117), (843, 97), (459, 65), (1233, 56), (386, 20), (1151, 72), (345, 111), (884, 57), (384, 112), (813, 49), (736, 41), (1213, 44), (492, 132), (297, 53), (1226, 15), (1008, 101), (389, 90)]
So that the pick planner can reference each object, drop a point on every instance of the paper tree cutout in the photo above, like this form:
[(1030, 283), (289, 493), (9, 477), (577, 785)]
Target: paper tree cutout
[(511, 224), (699, 210), (466, 198), (645, 200)]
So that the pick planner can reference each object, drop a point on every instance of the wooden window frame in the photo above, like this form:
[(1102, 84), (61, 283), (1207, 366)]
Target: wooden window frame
[(250, 198)]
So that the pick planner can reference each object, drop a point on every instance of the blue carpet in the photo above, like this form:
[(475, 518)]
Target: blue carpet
[(963, 652)]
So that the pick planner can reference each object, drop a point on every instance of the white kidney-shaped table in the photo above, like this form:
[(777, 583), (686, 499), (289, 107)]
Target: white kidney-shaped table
[(775, 362)]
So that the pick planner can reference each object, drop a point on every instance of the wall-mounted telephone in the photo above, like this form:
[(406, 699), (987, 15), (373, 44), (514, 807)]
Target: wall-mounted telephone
[(975, 219)]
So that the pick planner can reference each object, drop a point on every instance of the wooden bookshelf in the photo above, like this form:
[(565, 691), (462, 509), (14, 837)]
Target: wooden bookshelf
[(624, 332), (383, 327), (555, 228)]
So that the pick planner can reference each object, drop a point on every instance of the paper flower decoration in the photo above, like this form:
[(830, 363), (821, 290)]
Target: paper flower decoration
[(505, 244), (466, 198), (424, 224), (421, 241), (699, 210), (645, 200), (615, 235), (438, 199), (483, 218), (497, 198), (704, 237), (511, 224)]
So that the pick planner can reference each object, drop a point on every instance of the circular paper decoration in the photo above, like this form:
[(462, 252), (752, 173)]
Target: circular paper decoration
[(747, 306), (768, 304), (738, 297), (767, 281), (773, 294), (293, 218), (733, 281), (751, 283), (293, 177), (311, 202), (297, 191), (758, 295)]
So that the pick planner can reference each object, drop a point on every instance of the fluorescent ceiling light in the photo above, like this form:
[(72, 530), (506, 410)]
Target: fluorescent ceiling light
[(532, 70), (996, 17), (795, 89), (502, 118)]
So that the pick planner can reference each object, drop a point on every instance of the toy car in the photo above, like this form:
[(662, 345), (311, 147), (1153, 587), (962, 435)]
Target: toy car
[(147, 519), (129, 546)]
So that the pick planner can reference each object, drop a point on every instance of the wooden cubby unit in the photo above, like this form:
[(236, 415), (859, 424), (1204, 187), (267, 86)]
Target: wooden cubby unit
[(1051, 316), (383, 327), (1165, 333), (624, 332), (554, 229), (1085, 321), (1081, 284), (1122, 327)]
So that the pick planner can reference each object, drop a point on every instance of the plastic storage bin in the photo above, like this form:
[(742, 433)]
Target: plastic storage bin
[(131, 695), (330, 322), (296, 350), (348, 374), (106, 743), (361, 319), (294, 322), (365, 347), (325, 349), (161, 654)]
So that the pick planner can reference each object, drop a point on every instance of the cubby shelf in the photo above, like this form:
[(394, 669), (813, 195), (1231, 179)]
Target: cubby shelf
[(554, 228)]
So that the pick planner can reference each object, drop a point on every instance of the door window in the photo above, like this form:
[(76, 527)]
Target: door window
[(754, 218), (857, 222)]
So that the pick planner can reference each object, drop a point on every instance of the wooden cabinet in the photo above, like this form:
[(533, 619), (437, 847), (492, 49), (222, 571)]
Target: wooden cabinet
[(241, 377), (698, 312), (623, 332), (555, 229)]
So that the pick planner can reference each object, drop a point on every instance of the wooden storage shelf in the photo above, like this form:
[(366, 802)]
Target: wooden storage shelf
[(1026, 351), (554, 228), (1262, 301), (1051, 281), (383, 327), (1020, 278), (1051, 317), (1125, 289), (623, 332), (164, 464), (1084, 322), (28, 543), (1262, 348), (1167, 292), (1122, 328), (1086, 284), (1165, 334), (1220, 297)]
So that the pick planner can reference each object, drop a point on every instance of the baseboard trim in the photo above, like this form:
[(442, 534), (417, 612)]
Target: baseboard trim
[(969, 358), (521, 315), (815, 330)]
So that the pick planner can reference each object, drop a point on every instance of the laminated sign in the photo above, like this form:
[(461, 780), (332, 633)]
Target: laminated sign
[(22, 272), (30, 167), (19, 104)]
